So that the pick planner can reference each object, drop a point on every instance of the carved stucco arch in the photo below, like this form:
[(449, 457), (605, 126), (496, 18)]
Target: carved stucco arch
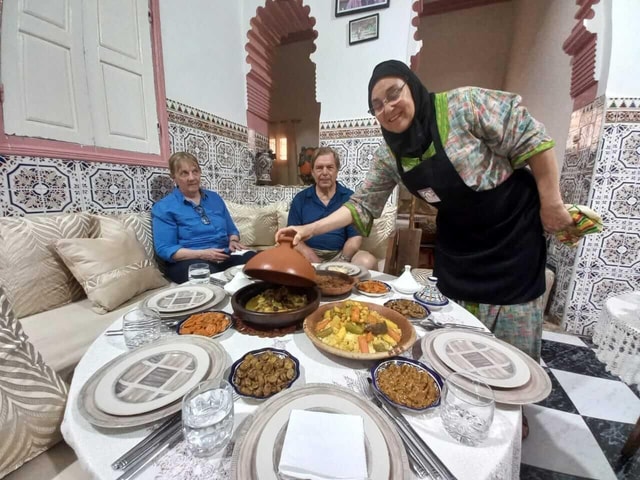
[(277, 23)]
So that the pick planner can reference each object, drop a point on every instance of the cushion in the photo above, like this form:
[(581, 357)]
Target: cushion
[(32, 396), (257, 225), (111, 270), (139, 223), (34, 278), (383, 227)]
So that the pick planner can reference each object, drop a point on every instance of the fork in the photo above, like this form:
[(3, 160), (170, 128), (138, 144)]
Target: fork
[(363, 385)]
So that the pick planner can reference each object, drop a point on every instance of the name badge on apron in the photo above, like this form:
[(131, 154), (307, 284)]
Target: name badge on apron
[(429, 195)]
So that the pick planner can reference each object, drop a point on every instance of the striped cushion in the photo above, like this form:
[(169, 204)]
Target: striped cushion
[(32, 396), (32, 274), (383, 227), (138, 223), (257, 225)]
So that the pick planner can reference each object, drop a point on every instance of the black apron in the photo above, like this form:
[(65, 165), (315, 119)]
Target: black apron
[(490, 246)]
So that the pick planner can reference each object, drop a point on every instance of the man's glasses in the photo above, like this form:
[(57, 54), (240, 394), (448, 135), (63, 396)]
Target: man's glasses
[(393, 96), (203, 216)]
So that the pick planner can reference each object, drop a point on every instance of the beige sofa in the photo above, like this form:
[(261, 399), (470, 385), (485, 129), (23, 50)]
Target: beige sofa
[(47, 321)]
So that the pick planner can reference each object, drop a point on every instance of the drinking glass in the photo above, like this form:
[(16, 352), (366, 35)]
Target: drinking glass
[(140, 326), (207, 417), (467, 408), (199, 273)]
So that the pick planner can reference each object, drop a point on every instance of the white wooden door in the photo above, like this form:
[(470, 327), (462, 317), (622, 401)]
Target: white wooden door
[(119, 66), (43, 70)]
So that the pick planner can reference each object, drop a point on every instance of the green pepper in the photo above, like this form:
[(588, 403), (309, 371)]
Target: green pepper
[(380, 345), (353, 328), (325, 332)]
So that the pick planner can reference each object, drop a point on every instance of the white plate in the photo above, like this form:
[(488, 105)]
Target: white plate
[(231, 272), (150, 379), (342, 267), (482, 356), (180, 298), (257, 455)]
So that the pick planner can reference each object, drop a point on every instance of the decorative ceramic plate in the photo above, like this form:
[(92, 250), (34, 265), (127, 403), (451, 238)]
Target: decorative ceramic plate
[(181, 298), (382, 288), (87, 406), (406, 340), (482, 356), (257, 454), (342, 267), (535, 390), (150, 379), (234, 379), (218, 296), (437, 381)]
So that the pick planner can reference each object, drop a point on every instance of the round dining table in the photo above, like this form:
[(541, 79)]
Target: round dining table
[(498, 457)]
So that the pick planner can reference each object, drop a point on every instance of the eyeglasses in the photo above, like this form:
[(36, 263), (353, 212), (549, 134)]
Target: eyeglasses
[(203, 216), (392, 96)]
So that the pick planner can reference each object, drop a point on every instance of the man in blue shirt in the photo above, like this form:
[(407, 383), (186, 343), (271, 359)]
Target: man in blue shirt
[(193, 225), (320, 200)]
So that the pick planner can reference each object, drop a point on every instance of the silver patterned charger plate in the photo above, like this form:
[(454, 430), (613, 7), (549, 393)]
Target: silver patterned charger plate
[(257, 454), (89, 410), (535, 390), (218, 296)]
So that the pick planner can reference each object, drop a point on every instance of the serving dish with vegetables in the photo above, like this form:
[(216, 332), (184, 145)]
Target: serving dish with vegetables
[(359, 330)]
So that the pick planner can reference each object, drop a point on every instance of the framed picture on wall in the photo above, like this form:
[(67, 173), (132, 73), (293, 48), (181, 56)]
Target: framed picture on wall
[(363, 29), (349, 7)]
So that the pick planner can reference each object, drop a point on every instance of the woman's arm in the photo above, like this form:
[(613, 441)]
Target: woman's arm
[(338, 219), (553, 213)]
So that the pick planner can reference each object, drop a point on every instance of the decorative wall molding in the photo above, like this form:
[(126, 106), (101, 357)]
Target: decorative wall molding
[(183, 114), (355, 128), (437, 7), (277, 23), (581, 46)]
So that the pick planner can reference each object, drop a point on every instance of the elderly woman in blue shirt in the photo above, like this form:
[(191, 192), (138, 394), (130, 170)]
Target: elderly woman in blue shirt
[(193, 225)]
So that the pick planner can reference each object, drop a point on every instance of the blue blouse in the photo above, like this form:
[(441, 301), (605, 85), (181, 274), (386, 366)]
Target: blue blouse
[(177, 224)]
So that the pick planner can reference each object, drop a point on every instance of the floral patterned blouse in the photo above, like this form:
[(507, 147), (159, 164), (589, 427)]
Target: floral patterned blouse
[(485, 133)]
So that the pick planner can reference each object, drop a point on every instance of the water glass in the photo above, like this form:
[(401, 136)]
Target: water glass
[(207, 417), (140, 326), (467, 408), (199, 273)]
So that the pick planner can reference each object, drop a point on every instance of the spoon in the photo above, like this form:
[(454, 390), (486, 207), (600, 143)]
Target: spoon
[(431, 322)]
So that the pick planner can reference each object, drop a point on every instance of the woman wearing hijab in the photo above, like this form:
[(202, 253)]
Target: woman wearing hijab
[(464, 151)]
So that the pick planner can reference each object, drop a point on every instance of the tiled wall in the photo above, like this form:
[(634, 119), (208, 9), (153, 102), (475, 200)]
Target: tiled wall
[(36, 185), (601, 170)]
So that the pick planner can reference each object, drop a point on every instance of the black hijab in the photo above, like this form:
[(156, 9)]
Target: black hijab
[(415, 140)]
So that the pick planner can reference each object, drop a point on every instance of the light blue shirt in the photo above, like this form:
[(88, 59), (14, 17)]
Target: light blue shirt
[(177, 224)]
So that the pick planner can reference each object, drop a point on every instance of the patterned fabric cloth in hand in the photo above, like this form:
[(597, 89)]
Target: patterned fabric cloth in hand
[(32, 396), (586, 221)]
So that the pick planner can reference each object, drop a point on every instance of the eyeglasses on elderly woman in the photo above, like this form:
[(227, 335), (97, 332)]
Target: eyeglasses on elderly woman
[(203, 216), (393, 95)]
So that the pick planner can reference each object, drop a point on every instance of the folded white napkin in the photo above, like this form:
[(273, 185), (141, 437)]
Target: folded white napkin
[(239, 280), (322, 446)]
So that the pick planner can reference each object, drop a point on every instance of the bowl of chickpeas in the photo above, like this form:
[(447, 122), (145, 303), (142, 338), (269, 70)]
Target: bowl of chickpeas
[(407, 384), (208, 324)]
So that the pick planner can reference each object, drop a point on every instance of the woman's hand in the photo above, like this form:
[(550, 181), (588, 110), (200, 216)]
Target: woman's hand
[(213, 255), (555, 217), (236, 246), (300, 233)]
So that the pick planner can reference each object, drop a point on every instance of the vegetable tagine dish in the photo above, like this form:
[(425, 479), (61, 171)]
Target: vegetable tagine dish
[(276, 300), (353, 327)]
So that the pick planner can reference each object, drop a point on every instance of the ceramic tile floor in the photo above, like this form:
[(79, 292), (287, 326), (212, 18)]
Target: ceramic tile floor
[(578, 431)]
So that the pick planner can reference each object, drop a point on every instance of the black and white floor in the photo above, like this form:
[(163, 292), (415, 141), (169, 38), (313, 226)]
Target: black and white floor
[(579, 430)]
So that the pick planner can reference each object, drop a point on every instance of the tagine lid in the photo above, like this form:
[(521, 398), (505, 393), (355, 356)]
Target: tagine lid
[(283, 265)]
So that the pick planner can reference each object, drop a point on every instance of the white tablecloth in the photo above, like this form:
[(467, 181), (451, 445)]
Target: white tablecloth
[(497, 458), (617, 335)]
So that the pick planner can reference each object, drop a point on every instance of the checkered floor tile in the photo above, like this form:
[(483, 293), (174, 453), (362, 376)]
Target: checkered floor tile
[(579, 430)]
